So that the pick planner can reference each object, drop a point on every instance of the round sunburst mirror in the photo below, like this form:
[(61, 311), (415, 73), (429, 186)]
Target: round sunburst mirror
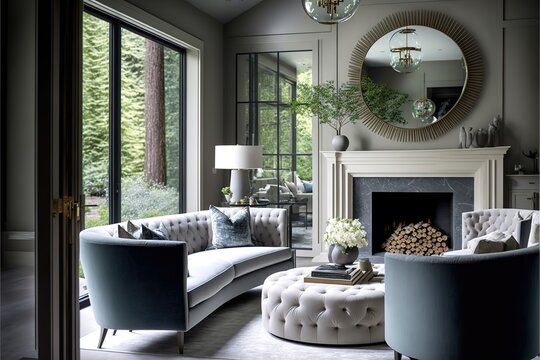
[(450, 76)]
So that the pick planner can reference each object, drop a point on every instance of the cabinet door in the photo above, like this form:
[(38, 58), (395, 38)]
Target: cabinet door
[(523, 200)]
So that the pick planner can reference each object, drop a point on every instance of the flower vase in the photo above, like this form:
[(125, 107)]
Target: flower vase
[(342, 256), (228, 198)]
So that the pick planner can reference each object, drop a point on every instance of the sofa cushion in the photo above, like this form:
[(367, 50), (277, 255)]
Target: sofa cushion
[(459, 252), (249, 259), (207, 276), (231, 231)]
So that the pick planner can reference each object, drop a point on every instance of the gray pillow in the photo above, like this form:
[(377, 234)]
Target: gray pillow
[(231, 232), (149, 234), (493, 242)]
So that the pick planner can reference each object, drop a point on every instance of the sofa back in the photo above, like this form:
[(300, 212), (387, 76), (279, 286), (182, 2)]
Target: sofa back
[(269, 227), (482, 222)]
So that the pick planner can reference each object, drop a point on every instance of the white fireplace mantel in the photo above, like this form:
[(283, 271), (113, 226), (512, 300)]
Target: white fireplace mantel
[(338, 169)]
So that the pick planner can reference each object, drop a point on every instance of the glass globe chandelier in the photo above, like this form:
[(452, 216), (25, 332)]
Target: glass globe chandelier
[(405, 51), (423, 110), (330, 11)]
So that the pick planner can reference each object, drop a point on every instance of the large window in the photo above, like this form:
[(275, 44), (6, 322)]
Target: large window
[(133, 123), (266, 84)]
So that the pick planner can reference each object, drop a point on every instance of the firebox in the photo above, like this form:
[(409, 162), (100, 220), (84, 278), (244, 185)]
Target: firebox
[(438, 201), (413, 212)]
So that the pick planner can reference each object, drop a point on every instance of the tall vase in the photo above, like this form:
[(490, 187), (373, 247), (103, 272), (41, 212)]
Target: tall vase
[(340, 142), (343, 256)]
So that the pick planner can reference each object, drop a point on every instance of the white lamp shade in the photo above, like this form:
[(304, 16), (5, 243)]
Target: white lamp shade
[(238, 157)]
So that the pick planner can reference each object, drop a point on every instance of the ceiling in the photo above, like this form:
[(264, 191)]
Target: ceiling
[(224, 10), (436, 46)]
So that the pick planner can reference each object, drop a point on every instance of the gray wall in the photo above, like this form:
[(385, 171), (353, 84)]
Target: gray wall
[(189, 19), (20, 100), (506, 31)]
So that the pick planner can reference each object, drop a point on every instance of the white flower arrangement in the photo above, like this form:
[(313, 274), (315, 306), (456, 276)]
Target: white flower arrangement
[(345, 232)]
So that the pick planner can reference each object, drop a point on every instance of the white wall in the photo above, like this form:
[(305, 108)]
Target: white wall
[(510, 87)]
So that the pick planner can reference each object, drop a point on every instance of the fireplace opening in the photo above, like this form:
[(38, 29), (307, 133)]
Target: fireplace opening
[(430, 212)]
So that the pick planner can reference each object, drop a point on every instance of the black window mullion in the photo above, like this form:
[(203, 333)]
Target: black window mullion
[(182, 137), (277, 93), (115, 174)]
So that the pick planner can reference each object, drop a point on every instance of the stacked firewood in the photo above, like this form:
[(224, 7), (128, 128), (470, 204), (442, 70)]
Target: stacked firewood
[(421, 239)]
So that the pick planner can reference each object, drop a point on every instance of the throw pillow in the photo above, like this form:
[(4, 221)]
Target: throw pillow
[(299, 184), (149, 234), (231, 231), (123, 233), (308, 185), (292, 187), (493, 242)]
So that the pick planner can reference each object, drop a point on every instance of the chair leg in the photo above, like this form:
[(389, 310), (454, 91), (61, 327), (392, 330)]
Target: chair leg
[(397, 356), (102, 337), (180, 339), (114, 332)]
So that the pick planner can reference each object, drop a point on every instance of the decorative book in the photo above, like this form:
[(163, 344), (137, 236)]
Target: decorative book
[(335, 271), (357, 276)]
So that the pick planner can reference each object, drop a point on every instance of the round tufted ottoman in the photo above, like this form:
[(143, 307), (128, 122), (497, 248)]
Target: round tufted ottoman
[(323, 313)]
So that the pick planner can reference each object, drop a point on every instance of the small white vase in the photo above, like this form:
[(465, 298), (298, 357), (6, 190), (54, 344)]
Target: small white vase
[(340, 142)]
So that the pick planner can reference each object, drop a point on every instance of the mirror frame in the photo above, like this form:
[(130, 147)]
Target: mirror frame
[(473, 78)]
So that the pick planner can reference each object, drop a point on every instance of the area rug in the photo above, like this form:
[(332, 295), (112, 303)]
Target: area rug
[(234, 331)]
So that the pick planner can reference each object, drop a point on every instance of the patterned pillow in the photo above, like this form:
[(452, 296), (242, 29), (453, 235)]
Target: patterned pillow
[(149, 234), (231, 232)]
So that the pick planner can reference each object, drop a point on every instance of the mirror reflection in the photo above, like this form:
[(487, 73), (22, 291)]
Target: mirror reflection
[(421, 97)]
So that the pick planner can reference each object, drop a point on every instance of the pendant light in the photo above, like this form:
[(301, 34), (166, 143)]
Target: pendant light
[(330, 11), (405, 51), (423, 110)]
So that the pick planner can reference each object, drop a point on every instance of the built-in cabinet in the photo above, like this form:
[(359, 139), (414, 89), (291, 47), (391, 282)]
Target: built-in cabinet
[(523, 191)]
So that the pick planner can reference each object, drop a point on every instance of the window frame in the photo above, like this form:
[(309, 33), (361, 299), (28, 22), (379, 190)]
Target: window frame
[(115, 42), (253, 103)]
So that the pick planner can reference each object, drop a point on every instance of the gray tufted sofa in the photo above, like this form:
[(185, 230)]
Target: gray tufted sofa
[(173, 285)]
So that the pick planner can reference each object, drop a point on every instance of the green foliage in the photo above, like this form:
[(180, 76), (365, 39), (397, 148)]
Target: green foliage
[(96, 110), (334, 107), (383, 101), (95, 107), (226, 190), (141, 199)]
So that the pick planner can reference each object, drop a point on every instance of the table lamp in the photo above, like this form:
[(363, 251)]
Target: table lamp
[(238, 158)]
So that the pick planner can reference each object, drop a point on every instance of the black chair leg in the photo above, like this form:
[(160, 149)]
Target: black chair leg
[(397, 356), (114, 332), (102, 337), (180, 339)]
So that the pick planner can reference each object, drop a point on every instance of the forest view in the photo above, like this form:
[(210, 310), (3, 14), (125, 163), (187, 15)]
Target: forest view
[(149, 124)]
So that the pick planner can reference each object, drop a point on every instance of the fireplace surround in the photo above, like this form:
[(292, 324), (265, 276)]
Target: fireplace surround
[(339, 169)]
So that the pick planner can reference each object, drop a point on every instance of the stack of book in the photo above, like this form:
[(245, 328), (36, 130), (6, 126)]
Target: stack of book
[(336, 274)]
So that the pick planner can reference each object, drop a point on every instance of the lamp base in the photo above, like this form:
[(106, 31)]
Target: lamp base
[(239, 184)]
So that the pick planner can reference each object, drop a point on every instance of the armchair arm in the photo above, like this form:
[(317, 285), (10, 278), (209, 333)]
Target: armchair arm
[(135, 284)]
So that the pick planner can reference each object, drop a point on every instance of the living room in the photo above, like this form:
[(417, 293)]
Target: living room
[(223, 45)]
